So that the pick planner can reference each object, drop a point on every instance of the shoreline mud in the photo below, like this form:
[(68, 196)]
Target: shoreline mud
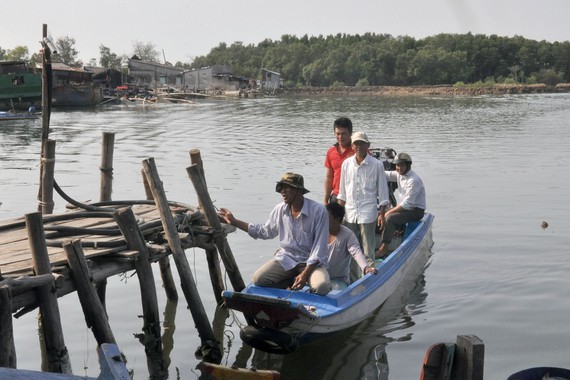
[(441, 90)]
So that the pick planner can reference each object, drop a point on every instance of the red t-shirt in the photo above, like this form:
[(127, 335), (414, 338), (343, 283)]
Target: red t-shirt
[(334, 161)]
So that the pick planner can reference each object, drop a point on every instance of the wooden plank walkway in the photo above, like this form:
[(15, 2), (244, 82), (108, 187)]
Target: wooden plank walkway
[(15, 254)]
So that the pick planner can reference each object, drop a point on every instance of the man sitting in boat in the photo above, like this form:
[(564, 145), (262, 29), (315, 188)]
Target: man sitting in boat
[(342, 246), (302, 226), (412, 204)]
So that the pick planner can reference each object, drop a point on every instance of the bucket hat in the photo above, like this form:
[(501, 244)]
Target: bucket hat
[(293, 180)]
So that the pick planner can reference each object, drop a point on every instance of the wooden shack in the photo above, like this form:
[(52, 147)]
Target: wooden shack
[(271, 81), (211, 79), (154, 74)]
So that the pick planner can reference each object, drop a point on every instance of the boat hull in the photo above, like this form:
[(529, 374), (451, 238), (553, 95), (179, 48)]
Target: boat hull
[(21, 94), (77, 95), (7, 116), (296, 318)]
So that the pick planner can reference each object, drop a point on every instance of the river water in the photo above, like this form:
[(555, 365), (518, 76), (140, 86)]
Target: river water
[(495, 168)]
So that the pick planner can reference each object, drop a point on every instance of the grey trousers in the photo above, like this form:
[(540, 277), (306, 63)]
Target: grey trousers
[(366, 235), (272, 274)]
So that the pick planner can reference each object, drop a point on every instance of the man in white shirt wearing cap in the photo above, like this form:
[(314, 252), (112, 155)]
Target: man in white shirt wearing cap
[(412, 203), (364, 193)]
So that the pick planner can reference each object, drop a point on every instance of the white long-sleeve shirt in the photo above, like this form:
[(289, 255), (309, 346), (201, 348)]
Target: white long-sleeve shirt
[(363, 188), (411, 188)]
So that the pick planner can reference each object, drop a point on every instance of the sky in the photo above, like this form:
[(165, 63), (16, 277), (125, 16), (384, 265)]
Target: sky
[(184, 29)]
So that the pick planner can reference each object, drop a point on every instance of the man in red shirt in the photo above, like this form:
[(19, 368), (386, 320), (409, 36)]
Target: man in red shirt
[(337, 153)]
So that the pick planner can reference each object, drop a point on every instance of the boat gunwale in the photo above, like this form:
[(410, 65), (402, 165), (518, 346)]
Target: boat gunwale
[(357, 292)]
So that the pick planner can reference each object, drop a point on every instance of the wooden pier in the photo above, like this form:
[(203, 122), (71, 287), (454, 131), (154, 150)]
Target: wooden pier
[(46, 256)]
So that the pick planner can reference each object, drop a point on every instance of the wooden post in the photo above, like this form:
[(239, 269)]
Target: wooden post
[(48, 165), (216, 279), (186, 278), (214, 221), (127, 222), (8, 351), (95, 315), (196, 159), (211, 254), (107, 166), (101, 289), (57, 356), (46, 101), (469, 358), (164, 263)]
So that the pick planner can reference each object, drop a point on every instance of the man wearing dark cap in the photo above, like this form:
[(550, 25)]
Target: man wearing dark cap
[(302, 226)]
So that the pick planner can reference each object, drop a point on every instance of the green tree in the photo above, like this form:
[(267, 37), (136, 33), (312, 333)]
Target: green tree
[(2, 53), (108, 59), (35, 60), (549, 77), (386, 60), (146, 51), (66, 52), (19, 53)]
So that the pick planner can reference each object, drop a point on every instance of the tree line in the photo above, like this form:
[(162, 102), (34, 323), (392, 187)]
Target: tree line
[(366, 60), (381, 59)]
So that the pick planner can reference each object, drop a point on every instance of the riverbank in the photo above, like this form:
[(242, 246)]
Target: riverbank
[(442, 90)]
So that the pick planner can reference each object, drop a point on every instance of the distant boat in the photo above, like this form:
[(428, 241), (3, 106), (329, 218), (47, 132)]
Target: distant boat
[(74, 87), (279, 320), (20, 86), (7, 116)]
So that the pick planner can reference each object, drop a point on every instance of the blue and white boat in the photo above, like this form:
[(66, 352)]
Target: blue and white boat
[(281, 320), (7, 115)]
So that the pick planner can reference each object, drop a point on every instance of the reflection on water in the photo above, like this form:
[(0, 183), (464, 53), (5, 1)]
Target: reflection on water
[(168, 328)]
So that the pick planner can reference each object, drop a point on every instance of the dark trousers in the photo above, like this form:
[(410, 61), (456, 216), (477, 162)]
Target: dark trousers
[(398, 218)]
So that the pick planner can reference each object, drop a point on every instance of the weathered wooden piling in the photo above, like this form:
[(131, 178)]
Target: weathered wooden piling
[(95, 315), (163, 263), (47, 80), (127, 222), (47, 179), (214, 221), (211, 254), (106, 167), (188, 285), (106, 189), (196, 159), (8, 351), (56, 352)]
